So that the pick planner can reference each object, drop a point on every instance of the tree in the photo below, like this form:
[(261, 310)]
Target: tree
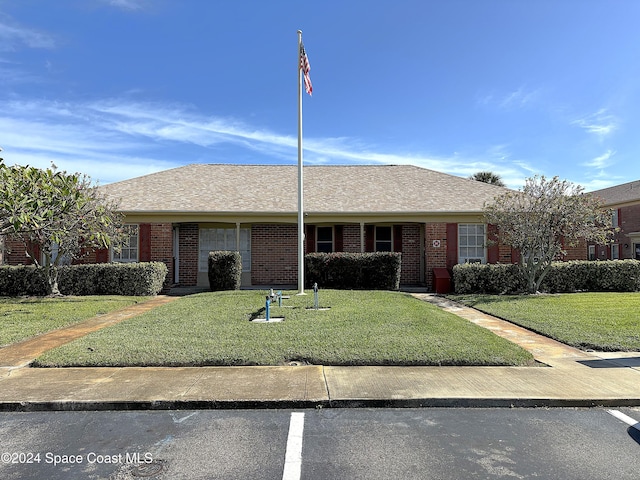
[(544, 217), (488, 177), (57, 214)]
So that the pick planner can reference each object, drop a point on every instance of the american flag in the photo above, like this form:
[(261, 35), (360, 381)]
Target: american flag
[(305, 67)]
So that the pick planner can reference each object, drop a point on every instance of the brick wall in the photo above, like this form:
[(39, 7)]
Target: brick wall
[(436, 255), (351, 238), (274, 254), (188, 253), (411, 252), (162, 246), (15, 253)]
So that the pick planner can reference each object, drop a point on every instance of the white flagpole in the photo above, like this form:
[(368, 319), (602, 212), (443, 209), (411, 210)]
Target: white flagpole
[(300, 183)]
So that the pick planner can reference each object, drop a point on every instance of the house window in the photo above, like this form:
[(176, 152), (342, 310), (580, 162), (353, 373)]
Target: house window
[(384, 237), (592, 252), (615, 252), (471, 243), (216, 239), (129, 248), (615, 221), (324, 239)]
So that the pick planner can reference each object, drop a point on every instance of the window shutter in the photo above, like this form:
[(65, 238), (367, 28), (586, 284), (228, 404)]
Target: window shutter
[(369, 238), (311, 238), (102, 255), (338, 240), (397, 238), (493, 251), (452, 244), (145, 242)]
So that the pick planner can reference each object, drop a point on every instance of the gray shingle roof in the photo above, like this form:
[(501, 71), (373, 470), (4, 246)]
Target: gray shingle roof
[(620, 194), (327, 189)]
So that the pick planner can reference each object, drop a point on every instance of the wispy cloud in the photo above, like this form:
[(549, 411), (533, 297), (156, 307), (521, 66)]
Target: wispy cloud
[(118, 138), (602, 161), (126, 4), (601, 123), (515, 99), (14, 36)]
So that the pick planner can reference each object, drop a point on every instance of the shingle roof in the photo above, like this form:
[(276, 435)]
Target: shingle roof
[(620, 194), (327, 189)]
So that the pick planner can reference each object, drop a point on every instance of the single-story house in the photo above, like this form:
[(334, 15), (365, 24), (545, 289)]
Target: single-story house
[(177, 216), (624, 200)]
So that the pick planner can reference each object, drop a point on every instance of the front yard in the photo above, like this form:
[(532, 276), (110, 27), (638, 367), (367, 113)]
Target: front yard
[(598, 321), (361, 328), (21, 318)]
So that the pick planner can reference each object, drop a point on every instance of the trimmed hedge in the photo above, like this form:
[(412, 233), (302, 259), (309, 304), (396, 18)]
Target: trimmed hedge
[(564, 277), (225, 270), (91, 279), (341, 270)]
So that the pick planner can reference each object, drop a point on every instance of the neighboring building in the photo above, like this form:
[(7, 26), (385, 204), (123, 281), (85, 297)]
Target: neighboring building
[(624, 200), (177, 216)]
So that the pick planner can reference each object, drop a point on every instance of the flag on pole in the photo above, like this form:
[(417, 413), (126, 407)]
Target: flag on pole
[(305, 67)]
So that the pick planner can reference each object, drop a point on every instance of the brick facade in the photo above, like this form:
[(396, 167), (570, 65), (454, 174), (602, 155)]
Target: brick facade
[(188, 253), (274, 254)]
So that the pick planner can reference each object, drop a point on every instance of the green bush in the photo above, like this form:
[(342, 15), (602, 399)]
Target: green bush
[(91, 279), (564, 277), (341, 270), (22, 280), (225, 270)]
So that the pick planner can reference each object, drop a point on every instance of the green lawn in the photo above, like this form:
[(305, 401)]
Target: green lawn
[(599, 321), (21, 318), (361, 328)]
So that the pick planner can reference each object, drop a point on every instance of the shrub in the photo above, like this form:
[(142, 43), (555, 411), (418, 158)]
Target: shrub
[(564, 277), (91, 279), (225, 270), (22, 280), (342, 270)]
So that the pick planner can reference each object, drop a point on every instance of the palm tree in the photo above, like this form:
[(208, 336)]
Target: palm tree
[(488, 177)]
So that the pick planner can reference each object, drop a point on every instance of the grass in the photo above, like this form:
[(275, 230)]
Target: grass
[(21, 318), (361, 328), (598, 321)]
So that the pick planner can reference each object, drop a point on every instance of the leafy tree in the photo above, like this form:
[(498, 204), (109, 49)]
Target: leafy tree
[(488, 177), (60, 215), (543, 218)]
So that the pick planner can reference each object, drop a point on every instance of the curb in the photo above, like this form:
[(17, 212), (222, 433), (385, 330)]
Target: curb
[(76, 406)]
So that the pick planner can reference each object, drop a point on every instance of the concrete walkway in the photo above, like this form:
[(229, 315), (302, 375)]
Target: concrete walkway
[(567, 377)]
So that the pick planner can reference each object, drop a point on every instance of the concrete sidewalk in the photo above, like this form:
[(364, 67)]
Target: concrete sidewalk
[(566, 377)]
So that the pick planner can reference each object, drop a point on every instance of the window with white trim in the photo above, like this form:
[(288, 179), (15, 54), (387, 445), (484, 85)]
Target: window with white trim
[(592, 252), (472, 243), (324, 239), (384, 239), (615, 251), (217, 239), (615, 220), (128, 251)]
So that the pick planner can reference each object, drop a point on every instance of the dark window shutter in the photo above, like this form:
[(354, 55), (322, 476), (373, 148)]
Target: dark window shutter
[(493, 251), (310, 233), (102, 255), (369, 238), (452, 244), (338, 240), (145, 242), (397, 238)]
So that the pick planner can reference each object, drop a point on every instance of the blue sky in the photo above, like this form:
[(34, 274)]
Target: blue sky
[(121, 88)]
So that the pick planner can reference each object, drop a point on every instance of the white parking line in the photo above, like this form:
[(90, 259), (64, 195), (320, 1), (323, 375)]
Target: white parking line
[(625, 418), (293, 457)]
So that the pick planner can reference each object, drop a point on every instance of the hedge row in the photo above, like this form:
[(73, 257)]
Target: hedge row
[(375, 271), (574, 276), (225, 270), (91, 279)]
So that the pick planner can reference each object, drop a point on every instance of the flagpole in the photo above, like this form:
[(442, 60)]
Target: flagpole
[(300, 182)]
